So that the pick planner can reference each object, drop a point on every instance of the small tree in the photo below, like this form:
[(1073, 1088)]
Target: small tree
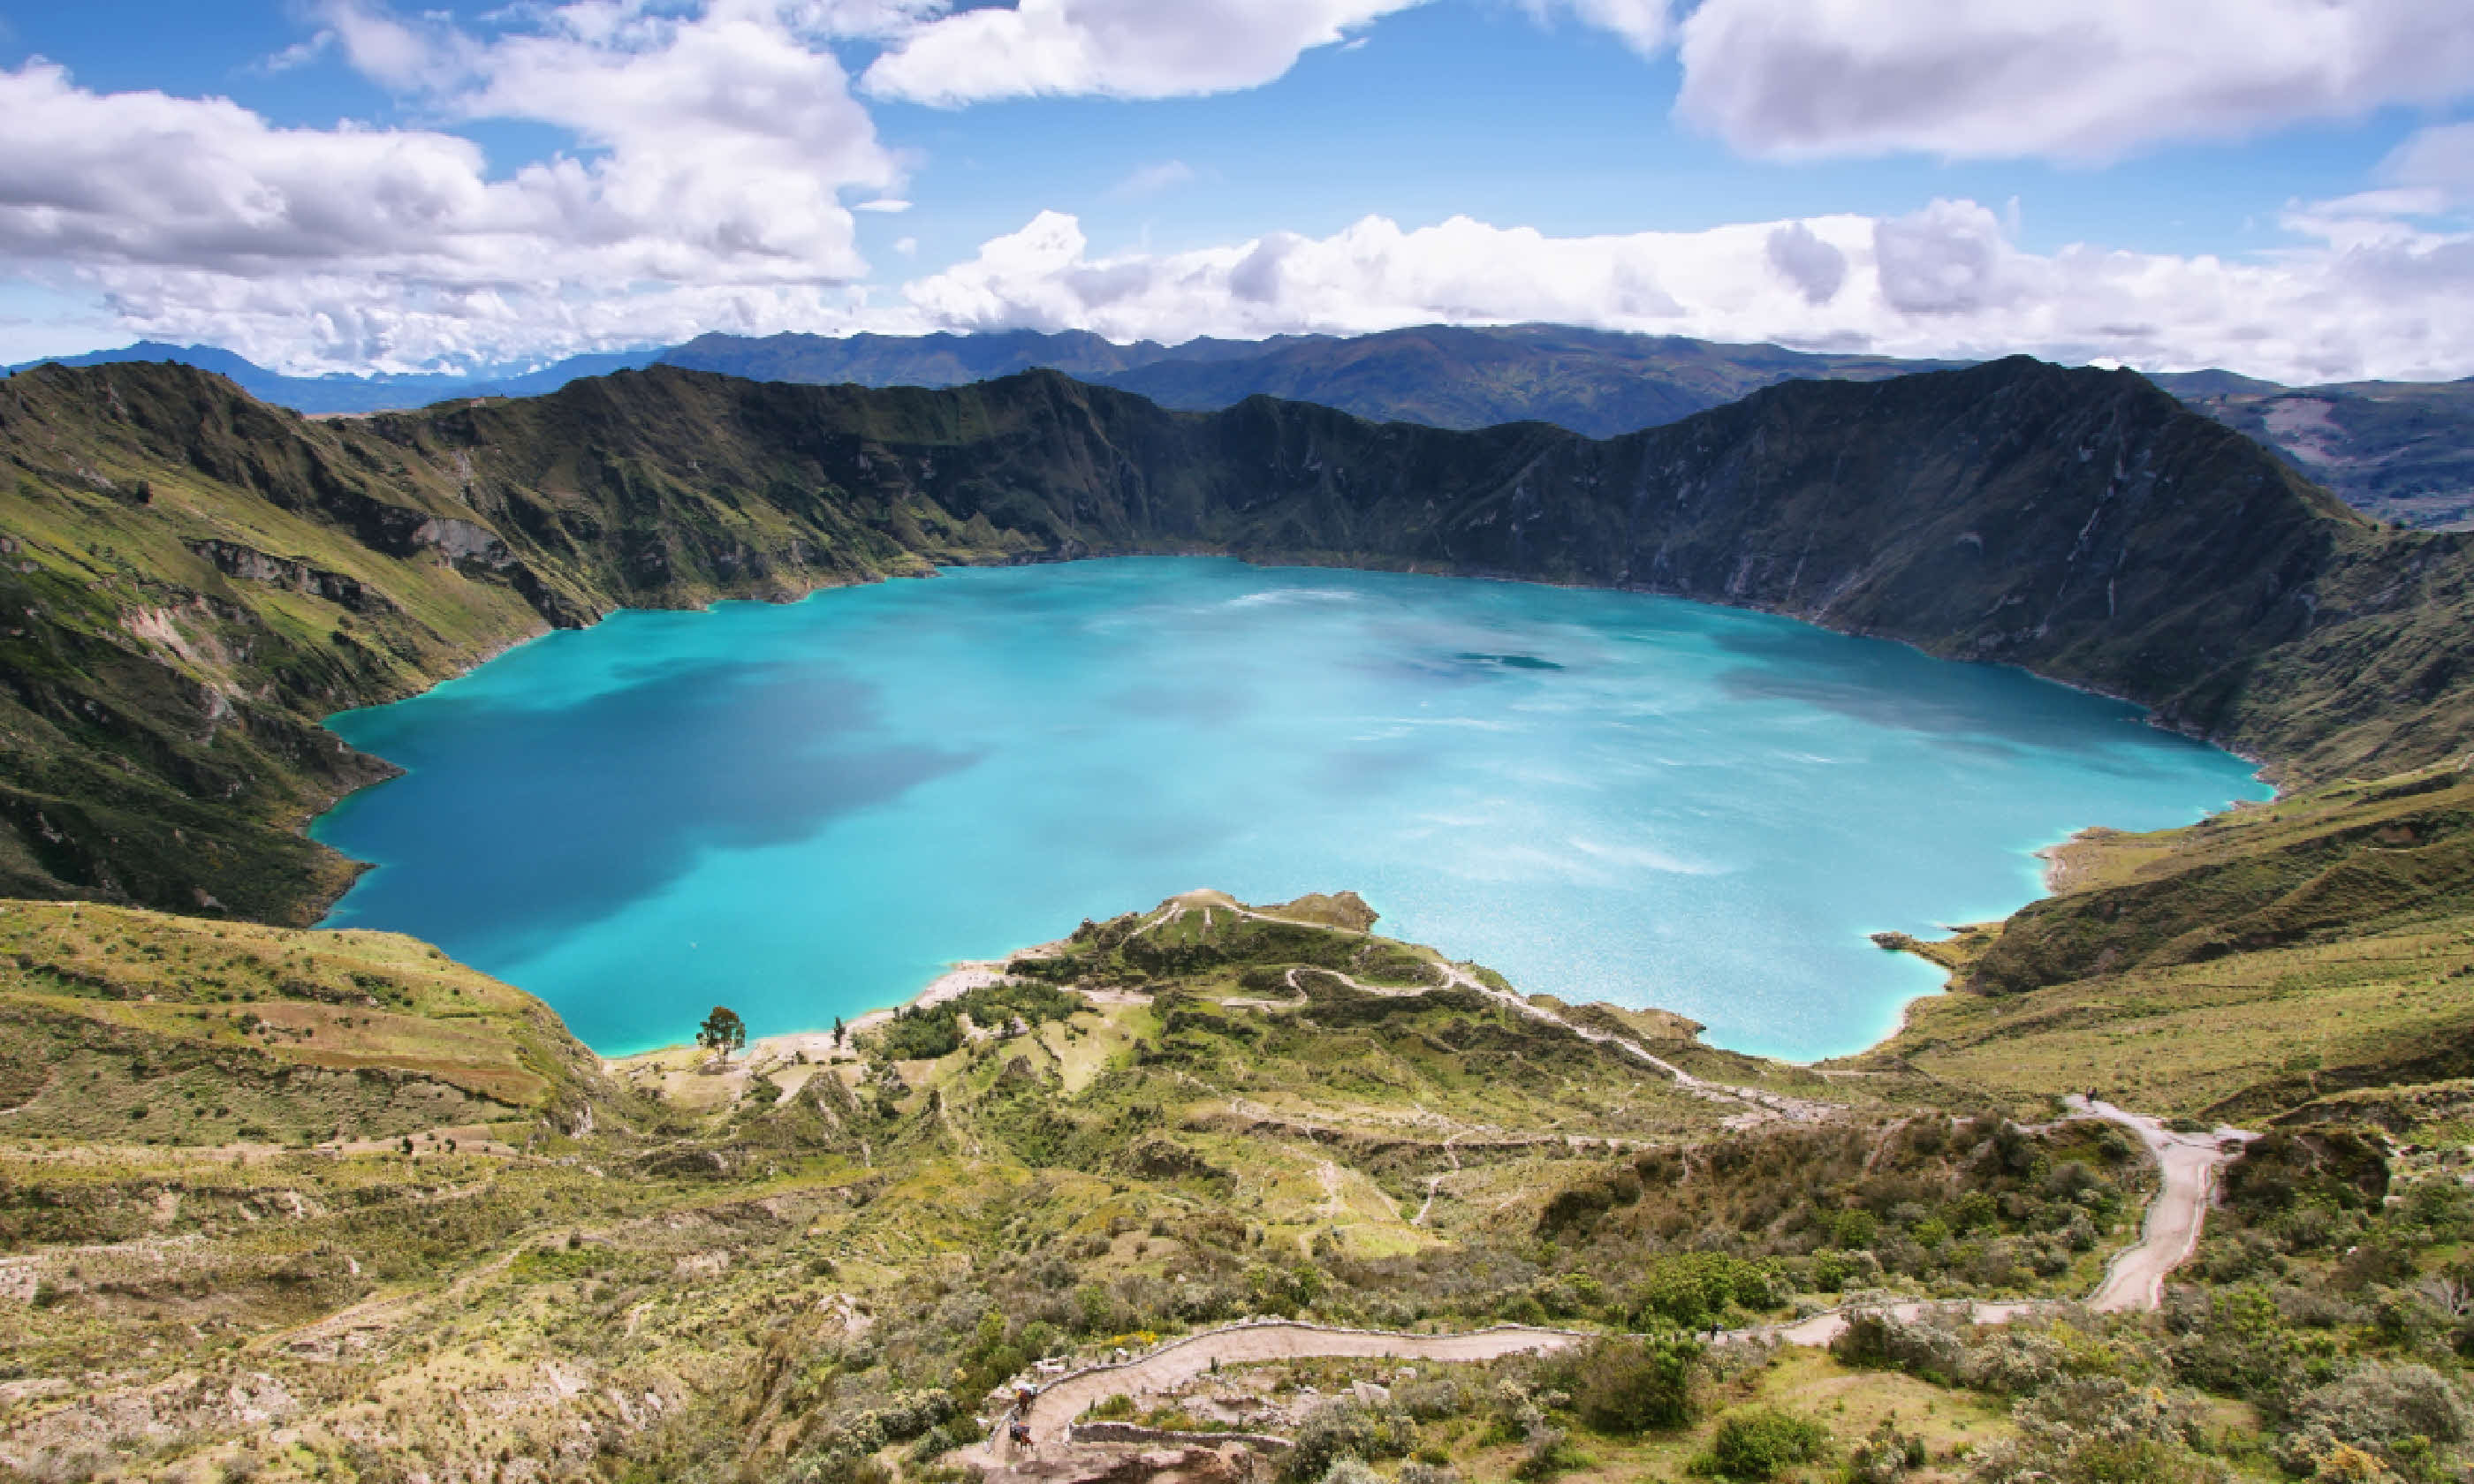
[(837, 1030), (722, 1030)]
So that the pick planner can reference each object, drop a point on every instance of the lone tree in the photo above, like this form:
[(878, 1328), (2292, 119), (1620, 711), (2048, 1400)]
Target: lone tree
[(722, 1030)]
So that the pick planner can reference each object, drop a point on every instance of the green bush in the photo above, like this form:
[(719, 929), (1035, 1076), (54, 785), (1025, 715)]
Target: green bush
[(1347, 1429), (919, 1035), (1876, 1339), (1628, 1386), (1693, 1290), (2101, 1430), (1759, 1443), (2401, 1413)]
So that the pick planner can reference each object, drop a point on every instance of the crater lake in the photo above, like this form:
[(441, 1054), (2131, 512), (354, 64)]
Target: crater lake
[(807, 810)]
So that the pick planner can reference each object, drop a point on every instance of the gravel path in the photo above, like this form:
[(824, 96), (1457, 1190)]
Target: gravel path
[(2135, 1279), (2189, 1163)]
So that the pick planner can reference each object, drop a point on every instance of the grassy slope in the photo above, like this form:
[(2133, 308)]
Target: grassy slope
[(2236, 968), (828, 1236), (125, 1025)]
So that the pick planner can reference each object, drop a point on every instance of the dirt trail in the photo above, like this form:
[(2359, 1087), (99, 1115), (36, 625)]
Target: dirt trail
[(2187, 1164), (2135, 1279)]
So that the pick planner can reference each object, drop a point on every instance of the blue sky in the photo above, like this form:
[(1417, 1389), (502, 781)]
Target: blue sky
[(2275, 185)]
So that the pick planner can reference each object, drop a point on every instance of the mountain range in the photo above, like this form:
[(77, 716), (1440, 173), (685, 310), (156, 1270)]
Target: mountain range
[(2400, 451), (203, 577)]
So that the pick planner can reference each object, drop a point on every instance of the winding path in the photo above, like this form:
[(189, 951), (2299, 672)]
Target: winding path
[(2187, 1164)]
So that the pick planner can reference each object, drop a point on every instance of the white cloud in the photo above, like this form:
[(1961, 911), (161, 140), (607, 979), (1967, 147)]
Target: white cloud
[(720, 143), (402, 54), (1114, 48), (2073, 79), (1813, 266), (1943, 282), (1948, 259), (1643, 25)]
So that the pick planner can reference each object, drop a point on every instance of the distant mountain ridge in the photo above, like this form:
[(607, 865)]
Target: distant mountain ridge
[(2400, 451), (378, 392), (1600, 383)]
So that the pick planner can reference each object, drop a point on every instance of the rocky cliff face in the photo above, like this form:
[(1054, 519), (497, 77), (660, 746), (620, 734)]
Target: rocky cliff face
[(204, 577)]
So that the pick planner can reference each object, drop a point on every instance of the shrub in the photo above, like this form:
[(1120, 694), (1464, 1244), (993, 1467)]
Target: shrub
[(1759, 1443), (1546, 1453), (2398, 1412), (904, 1415), (1885, 1455), (1347, 1429), (1880, 1340), (2014, 1363), (1695, 1289), (2336, 1168), (914, 1034), (1432, 1400), (1632, 1386), (2099, 1430), (2237, 1345)]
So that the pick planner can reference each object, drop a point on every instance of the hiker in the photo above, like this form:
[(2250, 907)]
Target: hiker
[(1020, 1432)]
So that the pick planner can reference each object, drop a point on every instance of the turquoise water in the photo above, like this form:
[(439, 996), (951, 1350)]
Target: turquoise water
[(807, 810)]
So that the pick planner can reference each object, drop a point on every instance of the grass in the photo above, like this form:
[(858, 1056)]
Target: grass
[(767, 1267), (2236, 968), (124, 1024)]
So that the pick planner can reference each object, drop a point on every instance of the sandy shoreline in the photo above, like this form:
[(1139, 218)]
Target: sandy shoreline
[(958, 979)]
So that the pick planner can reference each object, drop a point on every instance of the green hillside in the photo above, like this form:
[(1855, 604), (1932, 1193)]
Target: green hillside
[(203, 578)]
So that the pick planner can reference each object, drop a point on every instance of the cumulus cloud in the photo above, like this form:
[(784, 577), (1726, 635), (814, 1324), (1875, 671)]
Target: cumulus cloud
[(1370, 275), (2073, 79), (1114, 48), (1943, 282), (1946, 259), (1813, 266), (718, 144)]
